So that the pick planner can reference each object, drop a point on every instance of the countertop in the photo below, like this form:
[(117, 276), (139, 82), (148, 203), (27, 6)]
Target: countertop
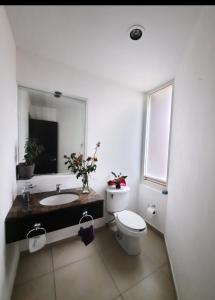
[(21, 208)]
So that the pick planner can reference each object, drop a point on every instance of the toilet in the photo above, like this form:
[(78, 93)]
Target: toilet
[(130, 226)]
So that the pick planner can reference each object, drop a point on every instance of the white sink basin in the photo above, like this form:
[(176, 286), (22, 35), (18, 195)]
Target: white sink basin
[(59, 199)]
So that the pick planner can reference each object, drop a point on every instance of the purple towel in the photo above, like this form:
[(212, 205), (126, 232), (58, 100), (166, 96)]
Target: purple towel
[(86, 234)]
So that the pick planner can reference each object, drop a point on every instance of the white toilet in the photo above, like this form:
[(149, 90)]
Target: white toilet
[(130, 226)]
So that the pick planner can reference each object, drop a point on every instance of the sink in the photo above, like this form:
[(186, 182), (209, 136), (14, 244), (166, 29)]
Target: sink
[(59, 199)]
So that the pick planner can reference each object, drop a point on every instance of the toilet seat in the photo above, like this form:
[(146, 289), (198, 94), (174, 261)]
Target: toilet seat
[(130, 220)]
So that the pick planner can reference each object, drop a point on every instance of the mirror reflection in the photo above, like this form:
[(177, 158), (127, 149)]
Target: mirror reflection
[(55, 123)]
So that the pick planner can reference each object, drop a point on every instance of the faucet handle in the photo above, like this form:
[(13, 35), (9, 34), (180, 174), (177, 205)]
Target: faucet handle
[(31, 186), (58, 187)]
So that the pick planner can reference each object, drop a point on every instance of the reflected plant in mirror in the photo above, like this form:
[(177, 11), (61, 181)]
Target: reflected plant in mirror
[(32, 152), (56, 121), (82, 167)]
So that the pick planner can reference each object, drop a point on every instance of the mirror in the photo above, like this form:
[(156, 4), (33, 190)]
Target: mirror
[(55, 122)]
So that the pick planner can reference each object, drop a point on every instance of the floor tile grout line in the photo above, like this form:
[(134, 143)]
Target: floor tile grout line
[(97, 251), (170, 278), (139, 283), (32, 279), (109, 273), (136, 283), (56, 269), (115, 298), (161, 266), (78, 260), (55, 291), (155, 270), (36, 277)]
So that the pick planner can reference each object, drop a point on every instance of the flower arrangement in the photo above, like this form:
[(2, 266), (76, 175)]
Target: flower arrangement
[(118, 181), (82, 167)]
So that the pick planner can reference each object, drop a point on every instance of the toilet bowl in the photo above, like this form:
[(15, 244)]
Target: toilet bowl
[(130, 226)]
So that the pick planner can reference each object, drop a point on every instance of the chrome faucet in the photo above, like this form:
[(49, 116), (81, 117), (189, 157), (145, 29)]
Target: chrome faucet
[(27, 191), (58, 187)]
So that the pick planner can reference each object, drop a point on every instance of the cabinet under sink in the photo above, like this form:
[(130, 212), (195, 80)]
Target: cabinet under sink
[(22, 216)]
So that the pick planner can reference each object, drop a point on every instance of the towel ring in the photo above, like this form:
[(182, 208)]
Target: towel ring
[(36, 227), (85, 215)]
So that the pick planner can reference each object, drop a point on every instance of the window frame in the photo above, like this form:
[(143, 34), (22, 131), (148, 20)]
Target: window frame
[(148, 98)]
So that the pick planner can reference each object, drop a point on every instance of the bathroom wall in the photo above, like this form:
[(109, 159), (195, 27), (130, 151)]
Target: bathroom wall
[(43, 113), (9, 255), (190, 222), (114, 118), (70, 132), (23, 115), (152, 195)]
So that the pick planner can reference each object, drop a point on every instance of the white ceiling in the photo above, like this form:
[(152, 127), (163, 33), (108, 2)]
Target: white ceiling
[(95, 39)]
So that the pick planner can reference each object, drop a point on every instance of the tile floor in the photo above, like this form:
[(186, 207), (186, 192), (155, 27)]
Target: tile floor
[(69, 270)]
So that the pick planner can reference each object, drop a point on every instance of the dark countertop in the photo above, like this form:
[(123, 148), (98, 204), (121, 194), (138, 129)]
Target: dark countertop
[(21, 208)]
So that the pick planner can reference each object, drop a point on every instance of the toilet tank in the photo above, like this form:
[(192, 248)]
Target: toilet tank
[(117, 199)]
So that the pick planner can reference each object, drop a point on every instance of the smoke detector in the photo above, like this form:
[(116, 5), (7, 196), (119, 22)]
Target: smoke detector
[(136, 32)]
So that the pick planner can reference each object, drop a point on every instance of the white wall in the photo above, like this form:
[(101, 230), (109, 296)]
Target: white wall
[(23, 115), (70, 132), (43, 113), (114, 117), (149, 195), (8, 135), (190, 234)]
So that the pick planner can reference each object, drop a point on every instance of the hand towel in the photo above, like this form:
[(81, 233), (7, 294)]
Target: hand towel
[(86, 234)]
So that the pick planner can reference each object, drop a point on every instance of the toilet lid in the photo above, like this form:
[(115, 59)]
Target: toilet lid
[(131, 220)]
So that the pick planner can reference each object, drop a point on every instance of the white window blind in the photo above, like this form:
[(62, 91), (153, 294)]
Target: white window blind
[(157, 135)]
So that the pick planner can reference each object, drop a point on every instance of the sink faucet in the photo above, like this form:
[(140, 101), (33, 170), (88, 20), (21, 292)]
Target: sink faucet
[(27, 191), (58, 187)]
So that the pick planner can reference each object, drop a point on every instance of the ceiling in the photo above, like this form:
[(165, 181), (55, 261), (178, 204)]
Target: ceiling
[(95, 39)]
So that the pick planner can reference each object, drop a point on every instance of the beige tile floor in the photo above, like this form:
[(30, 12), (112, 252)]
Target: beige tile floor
[(69, 270)]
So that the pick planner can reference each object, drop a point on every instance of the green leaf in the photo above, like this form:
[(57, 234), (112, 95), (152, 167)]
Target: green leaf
[(114, 174)]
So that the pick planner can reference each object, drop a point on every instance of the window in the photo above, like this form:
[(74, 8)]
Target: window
[(159, 104)]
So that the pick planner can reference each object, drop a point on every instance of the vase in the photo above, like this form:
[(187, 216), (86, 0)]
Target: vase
[(26, 172), (85, 186)]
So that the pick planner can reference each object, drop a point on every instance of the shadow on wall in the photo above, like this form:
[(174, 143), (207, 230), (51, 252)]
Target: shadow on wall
[(11, 252)]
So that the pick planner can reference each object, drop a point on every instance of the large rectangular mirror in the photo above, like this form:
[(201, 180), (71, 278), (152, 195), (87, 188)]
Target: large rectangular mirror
[(57, 123)]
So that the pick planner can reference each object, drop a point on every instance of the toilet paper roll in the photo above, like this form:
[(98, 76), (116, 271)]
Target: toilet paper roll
[(151, 211)]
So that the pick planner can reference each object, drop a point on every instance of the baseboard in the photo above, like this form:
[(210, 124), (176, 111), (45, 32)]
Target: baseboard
[(169, 260), (171, 272), (155, 229)]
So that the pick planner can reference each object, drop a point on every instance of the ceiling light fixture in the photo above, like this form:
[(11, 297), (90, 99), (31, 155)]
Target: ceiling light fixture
[(136, 32)]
